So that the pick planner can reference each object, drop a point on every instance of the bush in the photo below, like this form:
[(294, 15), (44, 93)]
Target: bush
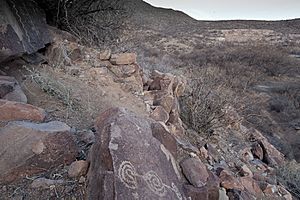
[(202, 107)]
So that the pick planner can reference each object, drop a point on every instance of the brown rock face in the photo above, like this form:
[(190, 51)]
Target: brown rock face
[(127, 162), (123, 59), (15, 111), (10, 90), (23, 28), (27, 148), (195, 171)]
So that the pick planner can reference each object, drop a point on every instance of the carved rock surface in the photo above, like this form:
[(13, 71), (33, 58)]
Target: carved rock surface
[(28, 148), (23, 28), (127, 162)]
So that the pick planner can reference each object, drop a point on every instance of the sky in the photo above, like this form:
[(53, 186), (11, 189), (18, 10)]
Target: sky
[(234, 9)]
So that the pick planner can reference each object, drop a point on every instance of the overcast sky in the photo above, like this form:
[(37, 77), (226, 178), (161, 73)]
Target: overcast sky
[(234, 9)]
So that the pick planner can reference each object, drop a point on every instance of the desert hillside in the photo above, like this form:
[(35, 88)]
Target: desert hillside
[(105, 100)]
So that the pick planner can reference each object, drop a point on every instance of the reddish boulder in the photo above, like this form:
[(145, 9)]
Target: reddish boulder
[(127, 162), (27, 148), (195, 171), (15, 111)]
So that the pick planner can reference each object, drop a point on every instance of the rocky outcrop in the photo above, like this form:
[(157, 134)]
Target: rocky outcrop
[(127, 162), (27, 148), (23, 28)]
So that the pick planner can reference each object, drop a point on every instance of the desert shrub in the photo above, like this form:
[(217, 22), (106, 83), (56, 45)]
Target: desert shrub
[(202, 107), (289, 176)]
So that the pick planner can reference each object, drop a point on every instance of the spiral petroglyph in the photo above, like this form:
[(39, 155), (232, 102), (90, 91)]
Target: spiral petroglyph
[(155, 183), (127, 175)]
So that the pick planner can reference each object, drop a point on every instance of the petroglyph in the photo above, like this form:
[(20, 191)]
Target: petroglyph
[(128, 176), (155, 183)]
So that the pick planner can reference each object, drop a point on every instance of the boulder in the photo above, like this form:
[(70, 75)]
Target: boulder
[(127, 162), (15, 111), (27, 148), (123, 59), (23, 28), (10, 90), (195, 171)]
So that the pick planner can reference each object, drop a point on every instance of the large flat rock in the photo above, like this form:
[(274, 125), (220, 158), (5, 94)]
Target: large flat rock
[(23, 28), (28, 148), (127, 162)]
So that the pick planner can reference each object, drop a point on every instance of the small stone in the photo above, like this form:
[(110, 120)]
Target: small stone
[(78, 168), (81, 180), (105, 55), (203, 153)]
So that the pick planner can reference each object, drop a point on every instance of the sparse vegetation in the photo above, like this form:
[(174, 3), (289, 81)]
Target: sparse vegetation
[(289, 175)]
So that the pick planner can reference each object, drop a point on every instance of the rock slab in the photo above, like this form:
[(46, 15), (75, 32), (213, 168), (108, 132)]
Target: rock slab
[(28, 148), (127, 162), (15, 111)]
